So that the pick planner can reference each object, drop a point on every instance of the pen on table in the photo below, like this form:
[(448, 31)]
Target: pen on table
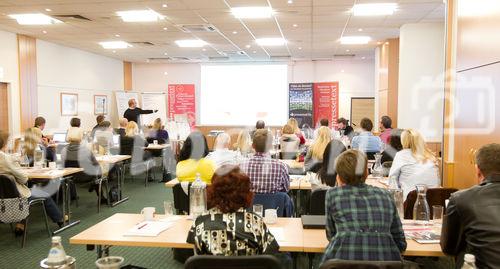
[(142, 226)]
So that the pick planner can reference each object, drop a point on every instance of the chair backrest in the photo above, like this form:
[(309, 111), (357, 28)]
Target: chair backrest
[(317, 202), (279, 200), (8, 188), (345, 264), (181, 199), (435, 196), (236, 262)]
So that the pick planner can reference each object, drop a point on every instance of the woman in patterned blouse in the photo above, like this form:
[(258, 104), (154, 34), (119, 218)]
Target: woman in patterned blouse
[(362, 222), (227, 229)]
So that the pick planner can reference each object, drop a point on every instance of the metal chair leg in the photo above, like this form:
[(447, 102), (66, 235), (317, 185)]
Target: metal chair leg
[(99, 193), (107, 191), (23, 243), (46, 219)]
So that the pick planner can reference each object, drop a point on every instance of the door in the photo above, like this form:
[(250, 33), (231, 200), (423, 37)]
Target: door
[(4, 107), (362, 107)]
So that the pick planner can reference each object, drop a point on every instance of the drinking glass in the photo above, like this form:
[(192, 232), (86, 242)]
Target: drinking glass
[(437, 214), (258, 209), (169, 208)]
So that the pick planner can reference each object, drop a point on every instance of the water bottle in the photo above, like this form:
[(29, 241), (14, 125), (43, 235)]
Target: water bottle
[(57, 255), (469, 262), (421, 211), (378, 170), (197, 197)]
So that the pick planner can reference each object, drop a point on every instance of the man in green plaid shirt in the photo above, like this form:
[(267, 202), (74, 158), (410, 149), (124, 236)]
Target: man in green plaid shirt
[(362, 222)]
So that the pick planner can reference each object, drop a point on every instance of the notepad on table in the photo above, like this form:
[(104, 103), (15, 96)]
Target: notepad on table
[(148, 228)]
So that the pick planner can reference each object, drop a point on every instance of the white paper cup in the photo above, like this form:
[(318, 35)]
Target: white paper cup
[(148, 213), (52, 165), (270, 216)]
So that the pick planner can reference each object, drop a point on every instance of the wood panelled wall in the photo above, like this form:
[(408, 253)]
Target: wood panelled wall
[(4, 107), (475, 111), (127, 76), (388, 79), (28, 85)]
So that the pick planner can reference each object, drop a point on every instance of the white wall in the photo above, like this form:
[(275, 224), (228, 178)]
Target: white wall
[(9, 73), (64, 69), (357, 80), (421, 83)]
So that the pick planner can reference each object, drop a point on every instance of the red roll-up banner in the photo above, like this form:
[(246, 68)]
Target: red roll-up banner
[(182, 101), (326, 102)]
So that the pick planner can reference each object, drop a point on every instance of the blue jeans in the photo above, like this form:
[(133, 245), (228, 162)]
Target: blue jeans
[(52, 210)]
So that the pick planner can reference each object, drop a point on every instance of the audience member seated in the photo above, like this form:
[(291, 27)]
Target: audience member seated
[(158, 132), (385, 129), (362, 222), (314, 156), (260, 124), (77, 154), (366, 141), (393, 147), (10, 169), (414, 164), (266, 175), (322, 123), (104, 137), (45, 142), (222, 155), (123, 125), (98, 119), (33, 142), (472, 220), (133, 144), (192, 159), (214, 232), (296, 130), (344, 128), (74, 124), (289, 143), (327, 176), (244, 143)]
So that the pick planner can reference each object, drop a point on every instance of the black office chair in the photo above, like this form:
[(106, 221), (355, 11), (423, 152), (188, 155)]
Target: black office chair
[(317, 202), (346, 264), (8, 189), (237, 262)]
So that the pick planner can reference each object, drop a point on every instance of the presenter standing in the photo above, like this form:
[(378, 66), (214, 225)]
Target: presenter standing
[(133, 112)]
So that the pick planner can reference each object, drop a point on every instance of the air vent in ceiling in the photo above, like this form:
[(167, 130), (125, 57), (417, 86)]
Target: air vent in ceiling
[(179, 59), (280, 58), (196, 28), (218, 58), (233, 53), (343, 56), (142, 43), (75, 16)]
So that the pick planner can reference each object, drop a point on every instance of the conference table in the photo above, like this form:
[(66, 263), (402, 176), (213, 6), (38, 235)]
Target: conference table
[(115, 160), (64, 175), (288, 232)]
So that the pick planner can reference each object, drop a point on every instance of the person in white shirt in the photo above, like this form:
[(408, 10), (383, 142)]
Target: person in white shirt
[(104, 135), (222, 155), (289, 143), (414, 164)]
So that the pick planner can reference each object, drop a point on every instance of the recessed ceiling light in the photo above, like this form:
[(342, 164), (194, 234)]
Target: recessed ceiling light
[(164, 5), (377, 9), (139, 15), (165, 28), (271, 41), (295, 25), (44, 31), (290, 1), (203, 49), (165, 73), (363, 57), (347, 50), (48, 9), (252, 12), (165, 53), (248, 46), (117, 35), (254, 51), (235, 32), (190, 43), (300, 48), (342, 70), (115, 44), (354, 40), (34, 19), (360, 30), (114, 51)]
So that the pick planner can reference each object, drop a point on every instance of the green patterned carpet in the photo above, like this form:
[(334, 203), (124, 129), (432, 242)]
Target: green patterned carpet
[(38, 242)]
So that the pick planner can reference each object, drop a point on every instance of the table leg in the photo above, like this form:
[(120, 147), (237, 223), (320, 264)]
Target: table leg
[(120, 173), (102, 251), (66, 206)]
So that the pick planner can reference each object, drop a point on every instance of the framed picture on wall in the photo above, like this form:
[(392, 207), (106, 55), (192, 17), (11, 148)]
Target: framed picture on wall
[(69, 104), (100, 104)]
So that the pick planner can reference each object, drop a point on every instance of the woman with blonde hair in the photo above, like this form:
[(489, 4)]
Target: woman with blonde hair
[(296, 130), (158, 132), (314, 155), (32, 142), (415, 163), (243, 142), (289, 142)]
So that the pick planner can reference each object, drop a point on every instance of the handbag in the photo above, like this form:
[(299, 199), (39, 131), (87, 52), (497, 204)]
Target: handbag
[(14, 209)]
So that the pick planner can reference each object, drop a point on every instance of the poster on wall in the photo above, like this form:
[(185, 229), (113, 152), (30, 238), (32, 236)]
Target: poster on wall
[(69, 104), (100, 104), (300, 99), (181, 103), (326, 102)]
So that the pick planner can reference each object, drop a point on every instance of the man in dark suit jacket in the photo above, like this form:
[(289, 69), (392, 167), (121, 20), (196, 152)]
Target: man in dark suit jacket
[(472, 221)]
